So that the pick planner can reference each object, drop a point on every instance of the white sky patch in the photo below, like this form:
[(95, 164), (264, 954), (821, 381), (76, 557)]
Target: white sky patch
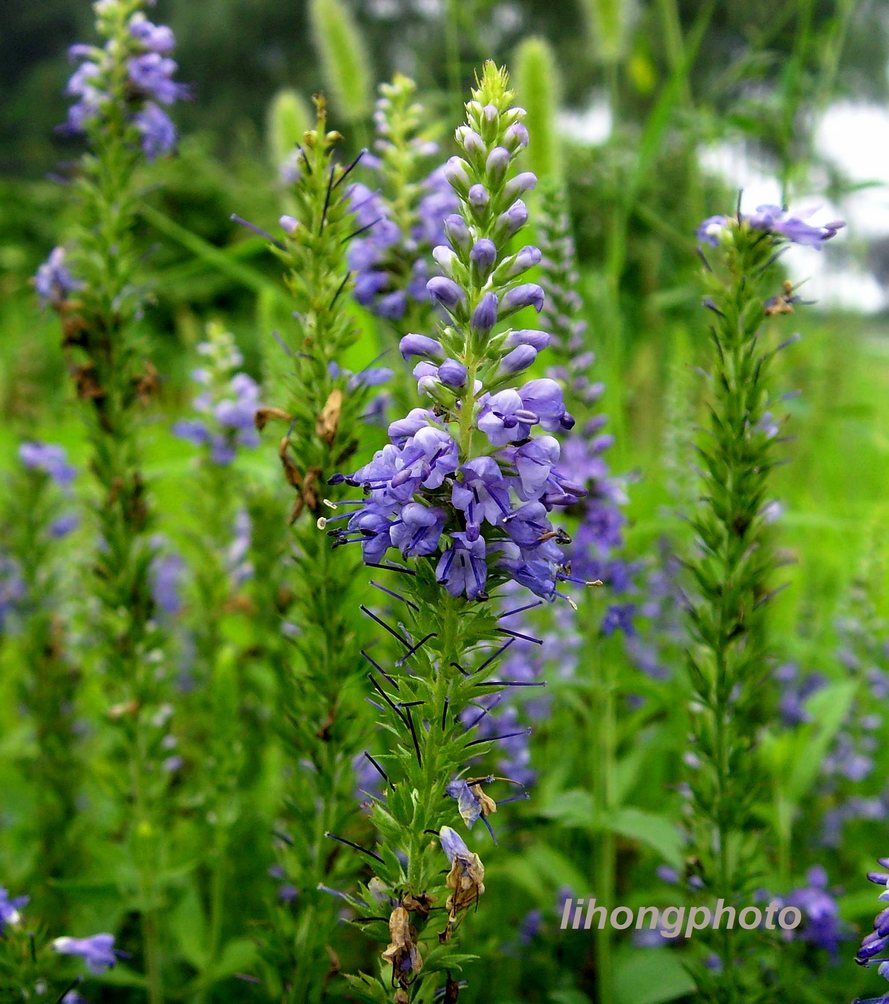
[(855, 137), (591, 126)]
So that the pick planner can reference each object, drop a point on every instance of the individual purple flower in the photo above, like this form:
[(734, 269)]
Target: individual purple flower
[(418, 530), (772, 220), (97, 951), (53, 281), (10, 909), (462, 569)]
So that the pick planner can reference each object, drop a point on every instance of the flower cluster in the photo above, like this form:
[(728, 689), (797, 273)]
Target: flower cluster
[(873, 950), (401, 222), (468, 482), (391, 265), (143, 50), (771, 220), (228, 403), (821, 911)]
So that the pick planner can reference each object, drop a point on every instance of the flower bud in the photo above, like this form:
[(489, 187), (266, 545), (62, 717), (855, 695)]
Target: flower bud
[(482, 256), (471, 142), (447, 293), (452, 373), (484, 316), (515, 137), (497, 163), (528, 336), (420, 345), (519, 359), (456, 170), (289, 225), (529, 294), (478, 196), (523, 182), (446, 259), (457, 232), (516, 264), (511, 221)]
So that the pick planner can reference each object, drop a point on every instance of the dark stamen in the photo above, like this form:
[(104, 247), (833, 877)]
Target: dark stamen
[(499, 652), (383, 624), (247, 225), (387, 698), (510, 683), (327, 200), (357, 847), (410, 722), (497, 739), (341, 287), (518, 634), (414, 648), (444, 713), (380, 770), (361, 230), (390, 592), (379, 669), (518, 610), (348, 170)]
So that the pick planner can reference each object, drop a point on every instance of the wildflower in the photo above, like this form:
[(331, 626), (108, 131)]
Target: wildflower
[(10, 909), (466, 877), (227, 405), (771, 220), (97, 951), (54, 281), (148, 71), (874, 950), (400, 223), (820, 910)]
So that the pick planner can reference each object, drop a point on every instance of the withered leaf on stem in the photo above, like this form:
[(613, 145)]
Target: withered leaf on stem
[(329, 419), (403, 954)]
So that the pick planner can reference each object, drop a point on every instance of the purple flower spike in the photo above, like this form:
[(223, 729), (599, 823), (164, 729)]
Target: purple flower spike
[(97, 951)]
